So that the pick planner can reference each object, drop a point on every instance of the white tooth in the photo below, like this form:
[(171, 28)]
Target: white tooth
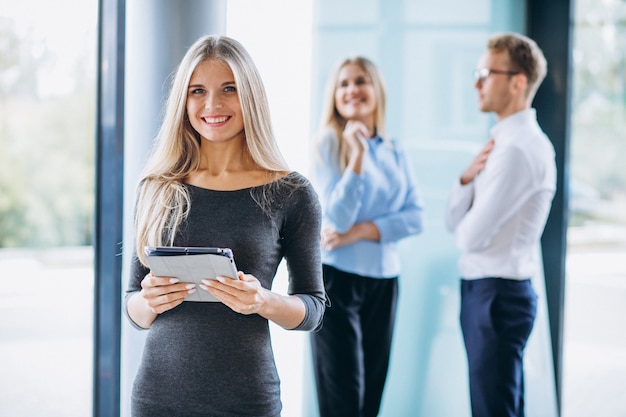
[(215, 119)]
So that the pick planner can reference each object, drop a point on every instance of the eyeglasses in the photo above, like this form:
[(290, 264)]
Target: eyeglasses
[(480, 75)]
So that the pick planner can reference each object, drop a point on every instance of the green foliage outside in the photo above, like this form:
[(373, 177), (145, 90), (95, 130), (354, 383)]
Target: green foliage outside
[(46, 145), (47, 141), (598, 119)]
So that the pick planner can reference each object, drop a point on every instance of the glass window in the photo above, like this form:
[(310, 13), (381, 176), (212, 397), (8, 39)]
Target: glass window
[(47, 109), (594, 354)]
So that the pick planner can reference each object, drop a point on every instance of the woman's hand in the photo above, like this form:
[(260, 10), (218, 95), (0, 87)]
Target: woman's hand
[(244, 295), (355, 134), (332, 239), (164, 293), (247, 296)]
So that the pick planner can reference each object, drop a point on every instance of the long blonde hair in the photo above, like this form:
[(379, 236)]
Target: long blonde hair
[(330, 117), (163, 201)]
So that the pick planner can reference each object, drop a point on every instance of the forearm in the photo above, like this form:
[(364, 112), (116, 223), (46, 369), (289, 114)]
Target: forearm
[(459, 203), (286, 311), (365, 231), (355, 162), (139, 311)]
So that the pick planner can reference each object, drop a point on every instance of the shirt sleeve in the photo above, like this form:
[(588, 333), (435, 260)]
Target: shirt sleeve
[(409, 219), (340, 193), (302, 251), (459, 203), (508, 186)]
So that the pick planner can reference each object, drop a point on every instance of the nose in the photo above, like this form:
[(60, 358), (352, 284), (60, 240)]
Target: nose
[(213, 102)]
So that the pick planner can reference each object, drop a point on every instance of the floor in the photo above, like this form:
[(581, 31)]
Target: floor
[(46, 347)]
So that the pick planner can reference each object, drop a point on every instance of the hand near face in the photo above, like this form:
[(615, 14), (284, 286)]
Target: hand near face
[(478, 164), (355, 134)]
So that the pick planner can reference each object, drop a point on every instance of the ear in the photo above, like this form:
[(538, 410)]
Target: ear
[(519, 84)]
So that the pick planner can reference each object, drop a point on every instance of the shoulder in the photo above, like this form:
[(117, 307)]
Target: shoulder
[(326, 139), (297, 191), (294, 201), (396, 147), (296, 183)]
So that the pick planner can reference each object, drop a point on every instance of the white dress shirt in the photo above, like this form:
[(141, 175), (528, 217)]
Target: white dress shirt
[(498, 218)]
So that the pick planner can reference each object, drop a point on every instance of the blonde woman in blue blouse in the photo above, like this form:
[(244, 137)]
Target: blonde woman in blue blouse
[(370, 201)]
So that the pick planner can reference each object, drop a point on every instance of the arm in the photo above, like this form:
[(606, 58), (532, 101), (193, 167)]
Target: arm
[(459, 203), (508, 187), (247, 296), (332, 239), (462, 195), (392, 226), (341, 193), (408, 220), (303, 308), (148, 297)]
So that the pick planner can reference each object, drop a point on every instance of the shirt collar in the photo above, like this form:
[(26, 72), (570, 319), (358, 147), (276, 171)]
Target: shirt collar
[(521, 118)]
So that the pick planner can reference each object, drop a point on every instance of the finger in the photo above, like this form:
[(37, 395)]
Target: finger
[(151, 280), (159, 303), (169, 301), (219, 285), (362, 131)]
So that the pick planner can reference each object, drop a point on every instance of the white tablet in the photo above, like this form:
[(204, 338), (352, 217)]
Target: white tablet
[(192, 264)]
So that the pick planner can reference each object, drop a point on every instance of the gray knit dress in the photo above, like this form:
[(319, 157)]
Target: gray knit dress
[(202, 358)]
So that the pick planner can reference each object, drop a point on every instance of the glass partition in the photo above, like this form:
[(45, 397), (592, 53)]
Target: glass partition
[(47, 108), (594, 352)]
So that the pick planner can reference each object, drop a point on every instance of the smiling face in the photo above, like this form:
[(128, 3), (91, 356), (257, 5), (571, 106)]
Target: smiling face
[(213, 105), (355, 98)]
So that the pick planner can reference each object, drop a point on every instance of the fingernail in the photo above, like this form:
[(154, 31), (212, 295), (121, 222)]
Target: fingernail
[(190, 286), (174, 280)]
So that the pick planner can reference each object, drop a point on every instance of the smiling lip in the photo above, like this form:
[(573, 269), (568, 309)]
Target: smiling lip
[(215, 119)]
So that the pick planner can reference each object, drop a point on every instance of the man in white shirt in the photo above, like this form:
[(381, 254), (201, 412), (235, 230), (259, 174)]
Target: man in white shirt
[(498, 210)]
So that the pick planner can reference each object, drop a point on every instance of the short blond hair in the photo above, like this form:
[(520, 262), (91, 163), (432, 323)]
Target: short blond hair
[(525, 55)]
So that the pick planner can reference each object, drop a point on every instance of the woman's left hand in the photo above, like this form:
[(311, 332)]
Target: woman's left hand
[(332, 239), (244, 295)]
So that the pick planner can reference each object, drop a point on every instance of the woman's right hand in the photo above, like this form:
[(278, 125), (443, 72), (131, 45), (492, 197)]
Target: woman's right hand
[(164, 293), (355, 134)]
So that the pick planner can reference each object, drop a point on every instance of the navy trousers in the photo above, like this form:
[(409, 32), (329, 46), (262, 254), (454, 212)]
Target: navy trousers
[(351, 351), (497, 316)]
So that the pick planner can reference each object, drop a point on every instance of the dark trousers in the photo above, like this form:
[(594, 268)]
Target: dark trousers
[(351, 351), (497, 316)]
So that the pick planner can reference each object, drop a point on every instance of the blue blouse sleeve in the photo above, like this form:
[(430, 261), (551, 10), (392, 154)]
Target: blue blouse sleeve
[(340, 193), (409, 219)]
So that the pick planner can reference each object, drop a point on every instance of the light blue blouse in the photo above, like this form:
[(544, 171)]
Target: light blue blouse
[(385, 193)]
